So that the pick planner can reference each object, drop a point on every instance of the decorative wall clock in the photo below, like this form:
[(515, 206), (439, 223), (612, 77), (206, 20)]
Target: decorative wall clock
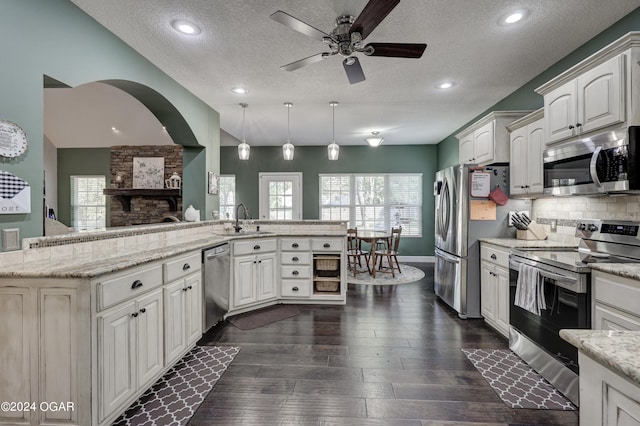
[(13, 140)]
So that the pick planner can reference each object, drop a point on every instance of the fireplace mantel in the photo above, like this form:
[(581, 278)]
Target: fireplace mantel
[(124, 195)]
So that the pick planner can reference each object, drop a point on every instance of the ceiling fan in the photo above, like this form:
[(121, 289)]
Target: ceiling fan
[(347, 39)]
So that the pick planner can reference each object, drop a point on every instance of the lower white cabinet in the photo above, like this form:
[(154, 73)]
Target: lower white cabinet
[(494, 287), (254, 279), (130, 350), (183, 317), (615, 302), (606, 398)]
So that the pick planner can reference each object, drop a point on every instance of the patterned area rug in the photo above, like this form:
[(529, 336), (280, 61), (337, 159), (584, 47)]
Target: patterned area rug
[(409, 274), (517, 384), (174, 398)]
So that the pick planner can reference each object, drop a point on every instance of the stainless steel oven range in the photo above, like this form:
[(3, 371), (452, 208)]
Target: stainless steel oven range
[(565, 275)]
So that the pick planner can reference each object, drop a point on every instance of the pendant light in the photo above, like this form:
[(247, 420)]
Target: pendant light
[(374, 140), (333, 149), (287, 148), (243, 148)]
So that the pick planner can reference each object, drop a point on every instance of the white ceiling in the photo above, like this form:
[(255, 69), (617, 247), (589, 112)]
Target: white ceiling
[(241, 46)]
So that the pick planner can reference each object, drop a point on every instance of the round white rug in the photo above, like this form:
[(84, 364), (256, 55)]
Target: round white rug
[(409, 274)]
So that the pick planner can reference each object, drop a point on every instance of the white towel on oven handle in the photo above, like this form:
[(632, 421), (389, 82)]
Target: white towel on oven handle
[(530, 289)]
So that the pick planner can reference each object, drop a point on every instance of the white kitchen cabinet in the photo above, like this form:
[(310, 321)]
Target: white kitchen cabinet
[(130, 350), (527, 146), (254, 275), (295, 267), (593, 99), (487, 140), (494, 287), (616, 302), (183, 295), (605, 396)]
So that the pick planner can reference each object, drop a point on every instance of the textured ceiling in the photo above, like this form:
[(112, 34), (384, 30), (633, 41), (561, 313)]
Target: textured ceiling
[(241, 46)]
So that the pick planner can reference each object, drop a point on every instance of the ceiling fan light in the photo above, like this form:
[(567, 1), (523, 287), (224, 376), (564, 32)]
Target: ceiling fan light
[(374, 140), (287, 151), (333, 151)]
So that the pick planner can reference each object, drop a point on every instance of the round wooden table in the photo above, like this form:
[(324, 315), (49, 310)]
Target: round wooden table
[(370, 237)]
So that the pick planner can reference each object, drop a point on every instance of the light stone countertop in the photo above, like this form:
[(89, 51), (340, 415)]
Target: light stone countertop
[(617, 350), (626, 270), (95, 265), (516, 243)]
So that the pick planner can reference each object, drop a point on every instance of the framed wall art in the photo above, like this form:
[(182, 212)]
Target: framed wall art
[(148, 172), (214, 183), (15, 194)]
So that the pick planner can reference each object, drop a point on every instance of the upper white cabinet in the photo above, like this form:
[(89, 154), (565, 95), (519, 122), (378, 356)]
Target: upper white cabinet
[(595, 94), (527, 145), (589, 102), (487, 140)]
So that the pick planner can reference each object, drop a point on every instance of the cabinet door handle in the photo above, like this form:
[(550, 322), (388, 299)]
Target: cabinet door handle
[(136, 284), (294, 289), (143, 310), (578, 124), (571, 127), (135, 314), (295, 259), (185, 289), (295, 245), (186, 266), (256, 247), (190, 287), (494, 257), (295, 273), (326, 245)]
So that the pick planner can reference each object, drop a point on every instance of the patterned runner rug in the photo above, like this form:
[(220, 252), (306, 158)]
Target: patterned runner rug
[(174, 398), (517, 384)]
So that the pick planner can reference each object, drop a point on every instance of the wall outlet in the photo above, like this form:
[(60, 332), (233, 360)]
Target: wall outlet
[(553, 225)]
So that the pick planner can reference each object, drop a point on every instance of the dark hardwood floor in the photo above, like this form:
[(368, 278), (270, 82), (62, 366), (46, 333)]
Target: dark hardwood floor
[(390, 356)]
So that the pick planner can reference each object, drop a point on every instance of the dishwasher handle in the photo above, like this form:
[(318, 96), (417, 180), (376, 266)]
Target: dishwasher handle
[(216, 252)]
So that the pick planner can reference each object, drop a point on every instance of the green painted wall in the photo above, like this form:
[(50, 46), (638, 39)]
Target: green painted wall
[(79, 161), (312, 161), (525, 98), (55, 38)]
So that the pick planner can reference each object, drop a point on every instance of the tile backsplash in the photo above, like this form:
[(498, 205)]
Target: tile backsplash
[(567, 211)]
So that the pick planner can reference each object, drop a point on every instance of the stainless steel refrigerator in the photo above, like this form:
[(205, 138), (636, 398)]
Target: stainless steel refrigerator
[(464, 213)]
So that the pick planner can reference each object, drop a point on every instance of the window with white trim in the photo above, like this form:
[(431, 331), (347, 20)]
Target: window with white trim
[(374, 201), (227, 195), (88, 202)]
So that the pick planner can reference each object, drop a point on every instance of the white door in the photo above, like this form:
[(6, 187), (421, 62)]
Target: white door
[(281, 196)]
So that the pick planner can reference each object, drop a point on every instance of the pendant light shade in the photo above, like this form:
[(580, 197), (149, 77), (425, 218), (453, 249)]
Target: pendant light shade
[(374, 140), (333, 150), (288, 148), (244, 148)]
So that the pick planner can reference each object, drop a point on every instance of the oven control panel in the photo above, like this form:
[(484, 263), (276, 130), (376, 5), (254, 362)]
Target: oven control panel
[(607, 230)]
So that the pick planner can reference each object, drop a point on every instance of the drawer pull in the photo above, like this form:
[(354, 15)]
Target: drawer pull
[(494, 257), (295, 259), (294, 289), (186, 266), (136, 284), (143, 310), (135, 314), (189, 287), (295, 245), (295, 273), (256, 247), (326, 245)]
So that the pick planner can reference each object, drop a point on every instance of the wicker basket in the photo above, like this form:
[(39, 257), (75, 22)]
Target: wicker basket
[(327, 286), (327, 264)]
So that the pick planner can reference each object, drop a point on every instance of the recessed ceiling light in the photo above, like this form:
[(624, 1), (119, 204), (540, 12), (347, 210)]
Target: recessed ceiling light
[(513, 17), (240, 90), (185, 27), (445, 85)]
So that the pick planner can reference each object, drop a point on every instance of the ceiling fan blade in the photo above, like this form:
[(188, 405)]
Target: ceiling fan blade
[(397, 50), (303, 62), (354, 70), (295, 24), (372, 14)]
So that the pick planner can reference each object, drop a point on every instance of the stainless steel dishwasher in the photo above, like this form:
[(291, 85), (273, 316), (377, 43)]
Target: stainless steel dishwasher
[(216, 264)]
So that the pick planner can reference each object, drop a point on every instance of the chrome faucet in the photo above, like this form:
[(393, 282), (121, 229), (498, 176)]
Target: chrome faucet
[(246, 213)]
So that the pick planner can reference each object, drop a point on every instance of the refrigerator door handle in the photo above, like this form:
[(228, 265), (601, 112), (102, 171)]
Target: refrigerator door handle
[(448, 257)]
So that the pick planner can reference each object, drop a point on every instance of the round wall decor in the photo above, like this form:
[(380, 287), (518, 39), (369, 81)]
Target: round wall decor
[(13, 140)]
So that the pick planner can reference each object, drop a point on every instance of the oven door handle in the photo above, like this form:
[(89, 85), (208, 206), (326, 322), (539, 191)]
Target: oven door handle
[(592, 167), (515, 265)]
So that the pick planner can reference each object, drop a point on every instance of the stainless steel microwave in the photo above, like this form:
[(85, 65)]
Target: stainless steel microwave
[(605, 163)]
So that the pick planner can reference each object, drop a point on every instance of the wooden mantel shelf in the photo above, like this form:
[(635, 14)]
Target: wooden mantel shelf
[(125, 195)]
